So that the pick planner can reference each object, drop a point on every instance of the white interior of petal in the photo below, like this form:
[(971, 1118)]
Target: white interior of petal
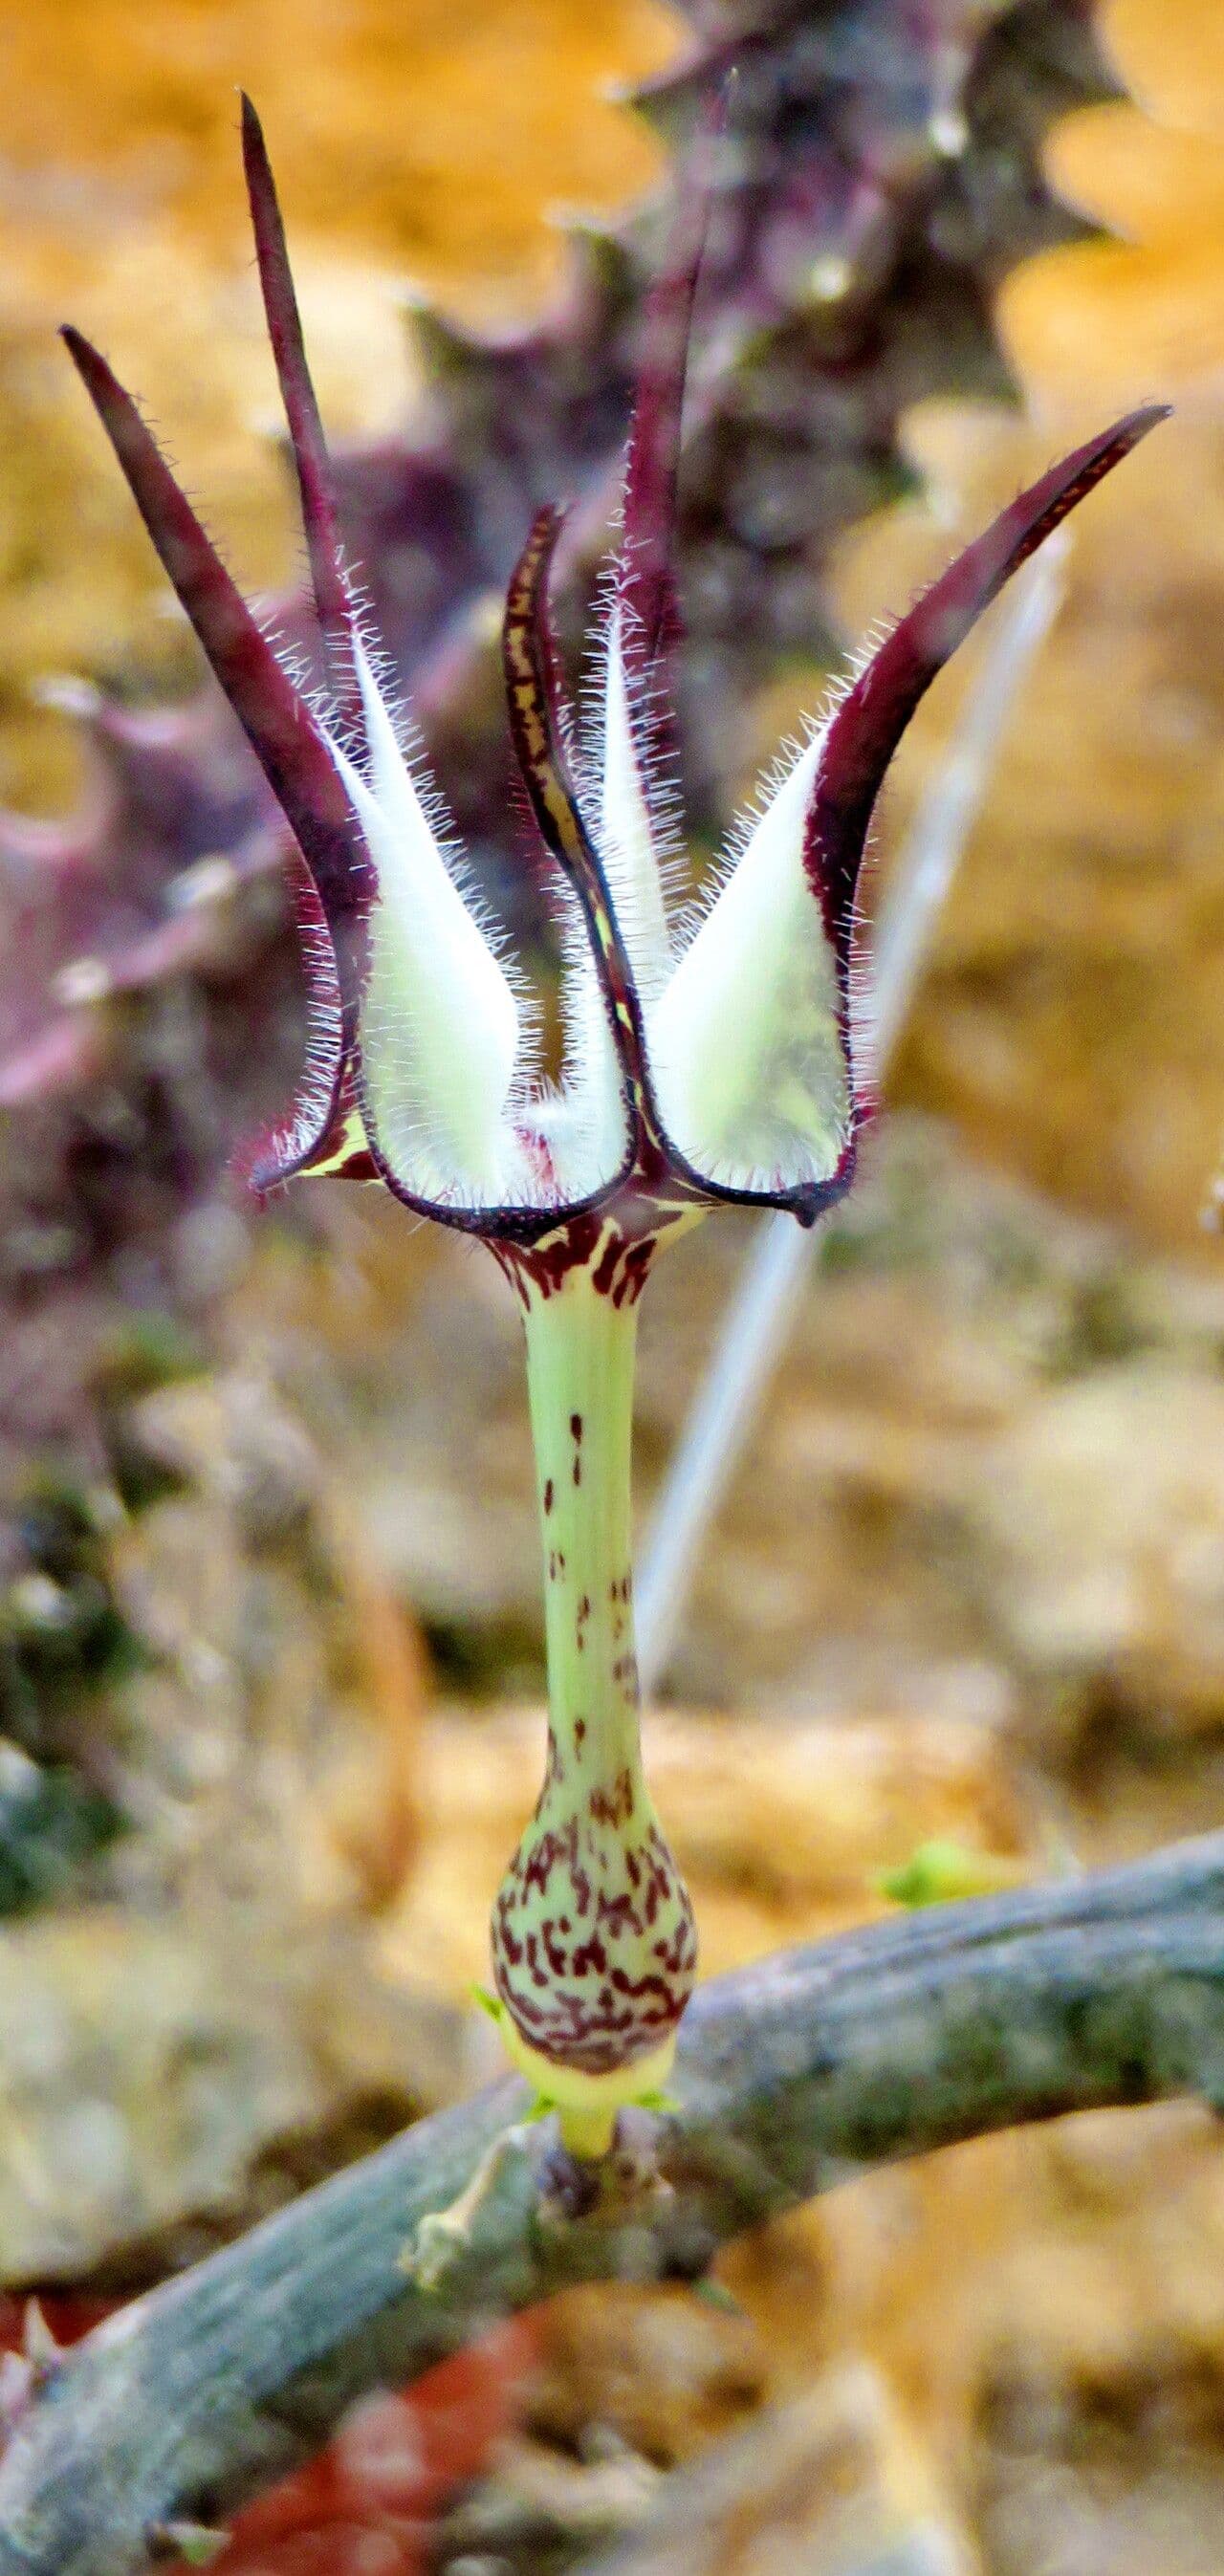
[(440, 1028), (584, 1125), (627, 839), (746, 1047)]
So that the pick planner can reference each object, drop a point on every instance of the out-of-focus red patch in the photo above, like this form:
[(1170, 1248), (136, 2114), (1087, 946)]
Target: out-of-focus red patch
[(335, 2549), (365, 2505), (68, 2318)]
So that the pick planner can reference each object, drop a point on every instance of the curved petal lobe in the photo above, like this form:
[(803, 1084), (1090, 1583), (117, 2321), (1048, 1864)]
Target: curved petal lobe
[(289, 743), (872, 717), (608, 1109), (751, 1051), (329, 579), (294, 755)]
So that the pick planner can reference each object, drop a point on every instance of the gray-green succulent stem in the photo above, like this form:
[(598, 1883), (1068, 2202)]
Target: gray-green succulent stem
[(594, 1950)]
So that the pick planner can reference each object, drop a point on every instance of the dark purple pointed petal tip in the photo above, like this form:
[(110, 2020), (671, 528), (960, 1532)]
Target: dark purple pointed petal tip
[(328, 577), (88, 361), (869, 723), (647, 583), (280, 727), (923, 641)]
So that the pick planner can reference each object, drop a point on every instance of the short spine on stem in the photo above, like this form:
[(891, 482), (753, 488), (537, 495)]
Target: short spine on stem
[(594, 1948)]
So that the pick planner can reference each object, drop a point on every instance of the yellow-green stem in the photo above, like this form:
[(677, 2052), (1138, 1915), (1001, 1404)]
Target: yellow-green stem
[(593, 1944)]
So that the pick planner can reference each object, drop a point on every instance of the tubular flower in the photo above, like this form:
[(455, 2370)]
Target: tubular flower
[(723, 1063)]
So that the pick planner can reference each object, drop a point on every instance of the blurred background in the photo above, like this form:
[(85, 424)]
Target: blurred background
[(270, 1641)]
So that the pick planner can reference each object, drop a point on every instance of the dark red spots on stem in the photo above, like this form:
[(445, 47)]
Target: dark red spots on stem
[(613, 1806)]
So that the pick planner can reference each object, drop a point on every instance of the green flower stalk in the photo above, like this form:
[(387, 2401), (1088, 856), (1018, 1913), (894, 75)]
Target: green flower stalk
[(714, 1060), (594, 1946)]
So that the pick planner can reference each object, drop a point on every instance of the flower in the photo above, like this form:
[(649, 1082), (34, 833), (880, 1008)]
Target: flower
[(725, 1064)]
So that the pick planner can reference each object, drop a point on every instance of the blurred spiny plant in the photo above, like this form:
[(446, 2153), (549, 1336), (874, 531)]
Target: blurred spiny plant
[(878, 175)]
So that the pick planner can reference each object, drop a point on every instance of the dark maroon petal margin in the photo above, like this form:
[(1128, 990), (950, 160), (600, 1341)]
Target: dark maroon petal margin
[(646, 582), (868, 725), (328, 577), (538, 730), (284, 735)]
